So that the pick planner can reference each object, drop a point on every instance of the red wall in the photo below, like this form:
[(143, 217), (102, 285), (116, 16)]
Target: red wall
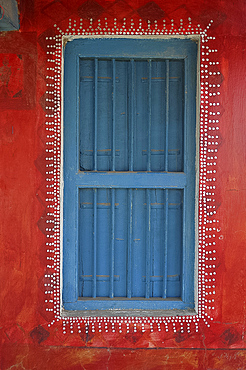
[(27, 340)]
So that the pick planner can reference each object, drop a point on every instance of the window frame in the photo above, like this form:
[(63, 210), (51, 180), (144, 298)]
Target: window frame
[(71, 303)]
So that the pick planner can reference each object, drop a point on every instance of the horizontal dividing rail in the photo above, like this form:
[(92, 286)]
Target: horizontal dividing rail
[(129, 180)]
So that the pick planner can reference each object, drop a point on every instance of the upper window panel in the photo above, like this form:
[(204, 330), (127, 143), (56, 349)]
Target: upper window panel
[(131, 115)]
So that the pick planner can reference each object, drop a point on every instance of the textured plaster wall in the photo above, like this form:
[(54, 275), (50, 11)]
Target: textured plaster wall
[(27, 340)]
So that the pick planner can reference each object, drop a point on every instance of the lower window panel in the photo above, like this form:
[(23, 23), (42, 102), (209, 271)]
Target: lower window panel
[(130, 243)]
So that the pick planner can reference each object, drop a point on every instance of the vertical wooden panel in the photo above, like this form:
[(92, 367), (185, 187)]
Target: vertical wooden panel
[(141, 130), (86, 114), (130, 241), (121, 243), (174, 243), (139, 243), (148, 244), (87, 270), (113, 115), (167, 116), (176, 116), (164, 293), (94, 243), (95, 113), (105, 115), (150, 113), (103, 242), (158, 113), (132, 113), (122, 111), (157, 242), (111, 292)]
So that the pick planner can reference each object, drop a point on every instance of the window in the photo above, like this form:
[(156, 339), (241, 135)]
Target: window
[(9, 20), (129, 174)]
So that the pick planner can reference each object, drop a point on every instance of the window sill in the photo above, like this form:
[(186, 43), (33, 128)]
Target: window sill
[(129, 313)]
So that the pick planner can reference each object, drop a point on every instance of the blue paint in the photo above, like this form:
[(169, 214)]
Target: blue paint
[(95, 111), (129, 203), (150, 113), (84, 259), (129, 179), (112, 259), (114, 119), (133, 114), (167, 115), (129, 244), (148, 245), (164, 269)]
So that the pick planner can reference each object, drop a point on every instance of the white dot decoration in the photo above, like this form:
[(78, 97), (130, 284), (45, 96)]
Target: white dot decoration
[(209, 229)]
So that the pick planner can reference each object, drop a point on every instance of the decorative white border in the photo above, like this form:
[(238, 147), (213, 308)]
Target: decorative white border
[(208, 224)]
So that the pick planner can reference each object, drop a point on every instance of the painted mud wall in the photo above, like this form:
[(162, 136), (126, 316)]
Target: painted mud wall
[(33, 336)]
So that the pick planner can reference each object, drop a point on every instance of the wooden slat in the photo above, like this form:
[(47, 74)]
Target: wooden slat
[(164, 292), (129, 246), (94, 243), (167, 114), (95, 114), (132, 114), (113, 118), (176, 116), (150, 114), (111, 288), (148, 239)]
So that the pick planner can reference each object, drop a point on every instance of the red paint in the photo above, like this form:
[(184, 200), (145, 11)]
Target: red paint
[(27, 341)]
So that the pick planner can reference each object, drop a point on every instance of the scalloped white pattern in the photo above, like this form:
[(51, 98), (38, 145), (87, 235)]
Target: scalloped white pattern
[(208, 225)]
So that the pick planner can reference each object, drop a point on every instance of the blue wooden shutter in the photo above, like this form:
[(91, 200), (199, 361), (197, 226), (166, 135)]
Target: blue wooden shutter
[(129, 170)]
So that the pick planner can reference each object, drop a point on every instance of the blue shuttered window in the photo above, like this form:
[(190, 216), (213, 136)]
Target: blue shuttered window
[(129, 174)]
